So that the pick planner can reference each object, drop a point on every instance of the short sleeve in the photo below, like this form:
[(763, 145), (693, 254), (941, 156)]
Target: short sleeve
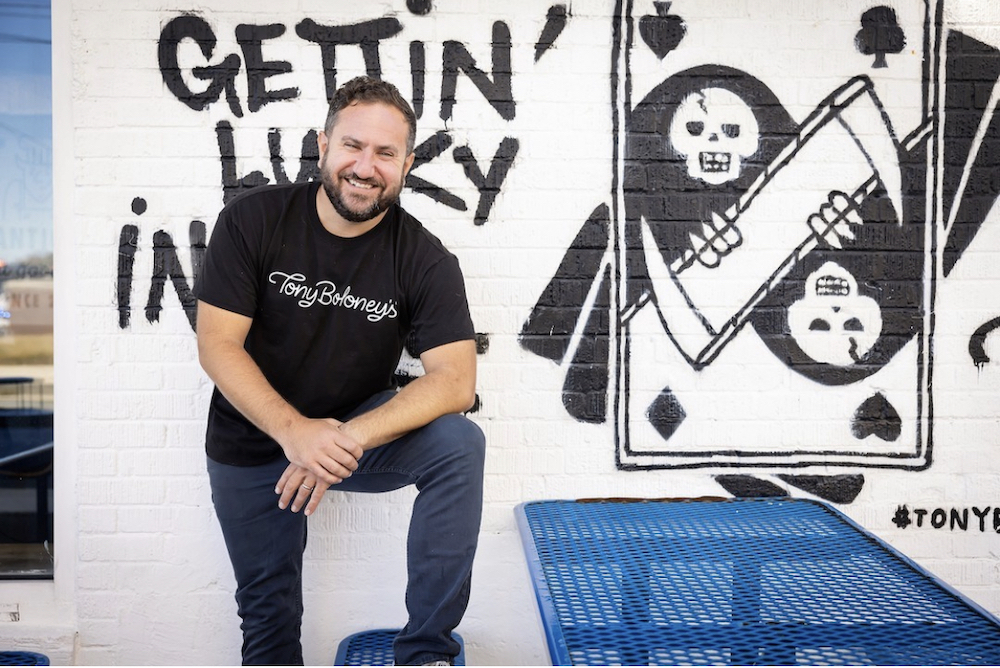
[(440, 308), (228, 278)]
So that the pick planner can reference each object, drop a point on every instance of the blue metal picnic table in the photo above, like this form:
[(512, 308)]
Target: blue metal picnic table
[(738, 582)]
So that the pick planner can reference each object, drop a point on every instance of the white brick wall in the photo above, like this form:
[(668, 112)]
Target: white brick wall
[(141, 565)]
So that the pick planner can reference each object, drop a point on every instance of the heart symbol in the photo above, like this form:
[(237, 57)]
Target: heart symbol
[(876, 416), (663, 32)]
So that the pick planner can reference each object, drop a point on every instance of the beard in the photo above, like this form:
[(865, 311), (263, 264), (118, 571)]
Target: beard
[(333, 191)]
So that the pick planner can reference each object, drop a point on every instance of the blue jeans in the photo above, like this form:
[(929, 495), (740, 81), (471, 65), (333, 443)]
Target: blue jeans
[(443, 459)]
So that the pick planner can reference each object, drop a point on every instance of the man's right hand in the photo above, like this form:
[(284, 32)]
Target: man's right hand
[(320, 447), (314, 445)]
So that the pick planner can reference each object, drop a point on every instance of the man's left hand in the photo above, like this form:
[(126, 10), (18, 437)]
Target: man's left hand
[(300, 488)]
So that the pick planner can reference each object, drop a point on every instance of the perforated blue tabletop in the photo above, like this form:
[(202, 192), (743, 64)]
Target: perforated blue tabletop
[(738, 582)]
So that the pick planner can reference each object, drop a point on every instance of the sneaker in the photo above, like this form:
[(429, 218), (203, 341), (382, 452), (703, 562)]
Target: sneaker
[(438, 663)]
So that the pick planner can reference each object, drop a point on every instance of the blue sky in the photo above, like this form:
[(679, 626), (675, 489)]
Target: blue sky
[(25, 129)]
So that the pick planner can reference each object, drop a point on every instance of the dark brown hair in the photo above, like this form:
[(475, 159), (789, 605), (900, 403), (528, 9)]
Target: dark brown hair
[(366, 90)]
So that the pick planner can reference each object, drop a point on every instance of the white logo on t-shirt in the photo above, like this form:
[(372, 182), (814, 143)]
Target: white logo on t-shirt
[(325, 293)]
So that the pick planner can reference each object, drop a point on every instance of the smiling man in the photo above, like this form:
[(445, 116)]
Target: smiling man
[(308, 294)]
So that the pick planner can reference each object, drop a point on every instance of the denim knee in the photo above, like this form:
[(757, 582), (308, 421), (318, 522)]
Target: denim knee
[(460, 440)]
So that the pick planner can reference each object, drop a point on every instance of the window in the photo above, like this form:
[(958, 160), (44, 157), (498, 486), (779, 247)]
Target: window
[(26, 374)]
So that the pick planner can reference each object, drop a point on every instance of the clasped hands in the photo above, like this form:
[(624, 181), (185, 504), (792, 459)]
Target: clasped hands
[(321, 454)]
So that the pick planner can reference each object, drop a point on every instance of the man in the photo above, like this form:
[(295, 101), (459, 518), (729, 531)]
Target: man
[(308, 294)]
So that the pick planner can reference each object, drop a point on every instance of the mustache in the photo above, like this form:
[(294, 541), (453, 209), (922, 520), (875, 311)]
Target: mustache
[(369, 181)]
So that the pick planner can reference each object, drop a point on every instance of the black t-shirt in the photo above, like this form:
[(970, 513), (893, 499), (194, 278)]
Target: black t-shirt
[(330, 314)]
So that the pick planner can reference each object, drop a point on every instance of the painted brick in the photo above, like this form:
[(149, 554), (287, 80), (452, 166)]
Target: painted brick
[(141, 498), (105, 490)]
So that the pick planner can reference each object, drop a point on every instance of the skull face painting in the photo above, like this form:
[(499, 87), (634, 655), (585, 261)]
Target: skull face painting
[(882, 289), (832, 323), (714, 130), (695, 143)]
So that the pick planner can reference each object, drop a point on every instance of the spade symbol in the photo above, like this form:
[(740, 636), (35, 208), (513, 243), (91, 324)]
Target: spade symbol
[(663, 32)]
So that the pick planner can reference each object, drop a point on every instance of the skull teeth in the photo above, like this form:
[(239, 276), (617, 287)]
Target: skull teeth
[(712, 161), (832, 286)]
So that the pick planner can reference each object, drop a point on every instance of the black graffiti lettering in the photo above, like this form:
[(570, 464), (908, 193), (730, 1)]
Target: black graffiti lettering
[(497, 90), (221, 77), (198, 236), (424, 153), (232, 185), (981, 516), (128, 242), (167, 265), (418, 60), (555, 23), (495, 86), (902, 517), (367, 35), (309, 158), (251, 39), (277, 162), (489, 185), (955, 519)]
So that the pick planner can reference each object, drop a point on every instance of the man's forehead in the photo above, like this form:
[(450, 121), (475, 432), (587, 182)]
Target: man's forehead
[(372, 114)]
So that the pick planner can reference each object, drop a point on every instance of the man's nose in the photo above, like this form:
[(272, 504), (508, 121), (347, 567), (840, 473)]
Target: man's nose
[(364, 166)]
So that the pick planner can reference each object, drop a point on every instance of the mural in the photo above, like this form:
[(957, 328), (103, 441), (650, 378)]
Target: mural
[(218, 73), (367, 36), (755, 293), (759, 289), (211, 80)]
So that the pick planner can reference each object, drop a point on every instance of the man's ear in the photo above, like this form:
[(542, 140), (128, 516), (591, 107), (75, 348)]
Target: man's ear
[(322, 142), (409, 163)]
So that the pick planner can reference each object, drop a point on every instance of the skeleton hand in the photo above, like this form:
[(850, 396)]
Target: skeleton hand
[(721, 236), (833, 221)]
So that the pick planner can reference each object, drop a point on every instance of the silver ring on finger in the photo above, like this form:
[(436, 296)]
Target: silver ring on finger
[(307, 487)]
